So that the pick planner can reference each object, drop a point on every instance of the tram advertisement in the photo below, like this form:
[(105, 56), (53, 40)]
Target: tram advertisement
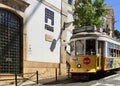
[(112, 63)]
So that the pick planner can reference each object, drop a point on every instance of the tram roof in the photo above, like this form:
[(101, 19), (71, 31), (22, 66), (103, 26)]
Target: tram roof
[(95, 35)]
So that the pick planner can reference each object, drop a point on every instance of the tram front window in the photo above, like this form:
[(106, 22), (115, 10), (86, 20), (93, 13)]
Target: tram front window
[(79, 47), (90, 47), (72, 49)]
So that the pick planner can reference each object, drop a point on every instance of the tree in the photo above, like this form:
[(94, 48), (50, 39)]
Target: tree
[(117, 34), (89, 13)]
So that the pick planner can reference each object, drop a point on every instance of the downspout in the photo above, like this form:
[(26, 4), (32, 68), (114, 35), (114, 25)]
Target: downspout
[(60, 39)]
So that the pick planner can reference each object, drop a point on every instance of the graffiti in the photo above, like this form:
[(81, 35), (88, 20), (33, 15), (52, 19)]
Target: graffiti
[(109, 62), (118, 63), (112, 63)]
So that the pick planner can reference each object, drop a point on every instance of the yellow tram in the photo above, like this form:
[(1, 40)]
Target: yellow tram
[(92, 52)]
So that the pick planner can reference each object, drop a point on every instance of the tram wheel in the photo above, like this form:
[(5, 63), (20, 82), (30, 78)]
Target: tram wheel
[(82, 77)]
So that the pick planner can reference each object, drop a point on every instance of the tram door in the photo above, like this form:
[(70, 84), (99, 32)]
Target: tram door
[(101, 52), (10, 42)]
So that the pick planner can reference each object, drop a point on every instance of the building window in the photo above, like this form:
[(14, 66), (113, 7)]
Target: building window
[(70, 2), (49, 15)]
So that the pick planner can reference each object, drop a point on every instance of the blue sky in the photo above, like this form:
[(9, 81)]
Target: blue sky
[(116, 6)]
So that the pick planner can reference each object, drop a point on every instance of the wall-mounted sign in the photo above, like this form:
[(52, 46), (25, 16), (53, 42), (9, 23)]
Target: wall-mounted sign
[(48, 38)]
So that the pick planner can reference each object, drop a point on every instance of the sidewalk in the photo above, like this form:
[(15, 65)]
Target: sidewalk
[(53, 80), (42, 82)]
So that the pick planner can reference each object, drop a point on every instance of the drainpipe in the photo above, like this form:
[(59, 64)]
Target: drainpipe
[(60, 40)]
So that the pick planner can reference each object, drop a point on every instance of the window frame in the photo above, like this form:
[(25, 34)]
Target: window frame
[(83, 48), (70, 2), (94, 50)]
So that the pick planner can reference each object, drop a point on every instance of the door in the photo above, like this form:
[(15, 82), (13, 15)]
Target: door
[(10, 42), (101, 53)]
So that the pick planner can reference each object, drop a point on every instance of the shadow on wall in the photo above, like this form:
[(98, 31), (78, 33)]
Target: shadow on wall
[(34, 10), (54, 42)]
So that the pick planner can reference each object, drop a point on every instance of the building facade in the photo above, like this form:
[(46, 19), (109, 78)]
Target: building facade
[(43, 41), (33, 36), (12, 30), (110, 21), (67, 27)]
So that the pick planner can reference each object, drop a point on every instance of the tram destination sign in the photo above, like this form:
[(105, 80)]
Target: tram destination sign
[(85, 29)]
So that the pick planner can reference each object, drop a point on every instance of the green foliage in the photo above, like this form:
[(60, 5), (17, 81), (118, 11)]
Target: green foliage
[(90, 13), (117, 33)]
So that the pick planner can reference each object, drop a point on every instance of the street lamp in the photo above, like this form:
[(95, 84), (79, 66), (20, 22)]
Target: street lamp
[(67, 24)]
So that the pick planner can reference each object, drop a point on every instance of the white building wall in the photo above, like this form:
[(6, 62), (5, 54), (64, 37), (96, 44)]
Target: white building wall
[(38, 48), (70, 19), (56, 3)]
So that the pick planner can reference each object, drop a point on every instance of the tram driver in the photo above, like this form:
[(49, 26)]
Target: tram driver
[(90, 47)]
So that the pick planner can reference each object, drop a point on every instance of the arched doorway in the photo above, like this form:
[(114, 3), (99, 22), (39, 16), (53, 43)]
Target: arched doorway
[(11, 42)]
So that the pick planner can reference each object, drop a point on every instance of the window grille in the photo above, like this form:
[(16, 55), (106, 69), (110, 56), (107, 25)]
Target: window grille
[(10, 42)]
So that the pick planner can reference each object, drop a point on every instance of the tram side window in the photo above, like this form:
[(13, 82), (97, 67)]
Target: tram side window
[(79, 47), (100, 48), (90, 47), (72, 48), (109, 49), (119, 53), (112, 50)]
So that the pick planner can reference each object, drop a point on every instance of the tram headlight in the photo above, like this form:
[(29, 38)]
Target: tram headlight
[(78, 65)]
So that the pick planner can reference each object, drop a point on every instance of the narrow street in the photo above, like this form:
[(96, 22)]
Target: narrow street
[(111, 80)]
